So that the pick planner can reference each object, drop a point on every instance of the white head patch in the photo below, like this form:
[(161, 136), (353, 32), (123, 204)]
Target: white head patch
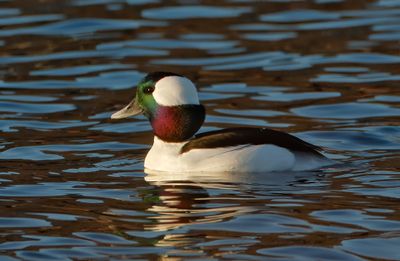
[(175, 90)]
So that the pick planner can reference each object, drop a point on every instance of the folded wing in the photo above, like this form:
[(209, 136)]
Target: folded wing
[(250, 136)]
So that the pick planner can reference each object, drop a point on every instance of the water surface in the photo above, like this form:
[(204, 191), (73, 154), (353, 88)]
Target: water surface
[(72, 184)]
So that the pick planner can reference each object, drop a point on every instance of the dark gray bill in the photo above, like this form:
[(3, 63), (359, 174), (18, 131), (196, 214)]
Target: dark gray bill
[(131, 109)]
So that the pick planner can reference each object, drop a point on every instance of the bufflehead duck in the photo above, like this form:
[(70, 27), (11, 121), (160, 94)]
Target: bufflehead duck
[(171, 104)]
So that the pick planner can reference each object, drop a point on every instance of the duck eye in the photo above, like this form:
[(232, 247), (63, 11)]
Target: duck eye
[(148, 90)]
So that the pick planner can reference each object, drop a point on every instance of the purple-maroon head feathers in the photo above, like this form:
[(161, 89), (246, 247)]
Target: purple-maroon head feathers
[(177, 123)]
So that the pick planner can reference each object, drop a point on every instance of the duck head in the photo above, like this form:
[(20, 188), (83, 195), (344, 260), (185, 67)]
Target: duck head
[(171, 104)]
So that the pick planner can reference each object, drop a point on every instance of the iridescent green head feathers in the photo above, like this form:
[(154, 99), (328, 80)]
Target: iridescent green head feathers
[(170, 102)]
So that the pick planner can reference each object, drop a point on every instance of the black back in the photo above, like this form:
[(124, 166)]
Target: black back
[(250, 136)]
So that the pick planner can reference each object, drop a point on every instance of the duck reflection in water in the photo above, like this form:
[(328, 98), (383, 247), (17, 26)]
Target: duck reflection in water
[(187, 200)]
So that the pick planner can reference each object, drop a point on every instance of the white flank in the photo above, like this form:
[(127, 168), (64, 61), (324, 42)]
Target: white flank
[(175, 90), (166, 157), (309, 162)]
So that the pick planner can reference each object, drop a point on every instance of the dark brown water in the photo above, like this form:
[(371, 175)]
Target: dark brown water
[(72, 181)]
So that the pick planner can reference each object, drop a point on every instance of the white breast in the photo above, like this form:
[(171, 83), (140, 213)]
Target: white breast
[(175, 90), (166, 157)]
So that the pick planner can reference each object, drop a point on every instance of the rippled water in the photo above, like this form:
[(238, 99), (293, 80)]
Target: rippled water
[(71, 181)]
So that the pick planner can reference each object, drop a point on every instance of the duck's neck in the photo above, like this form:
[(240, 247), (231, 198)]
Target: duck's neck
[(177, 123)]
